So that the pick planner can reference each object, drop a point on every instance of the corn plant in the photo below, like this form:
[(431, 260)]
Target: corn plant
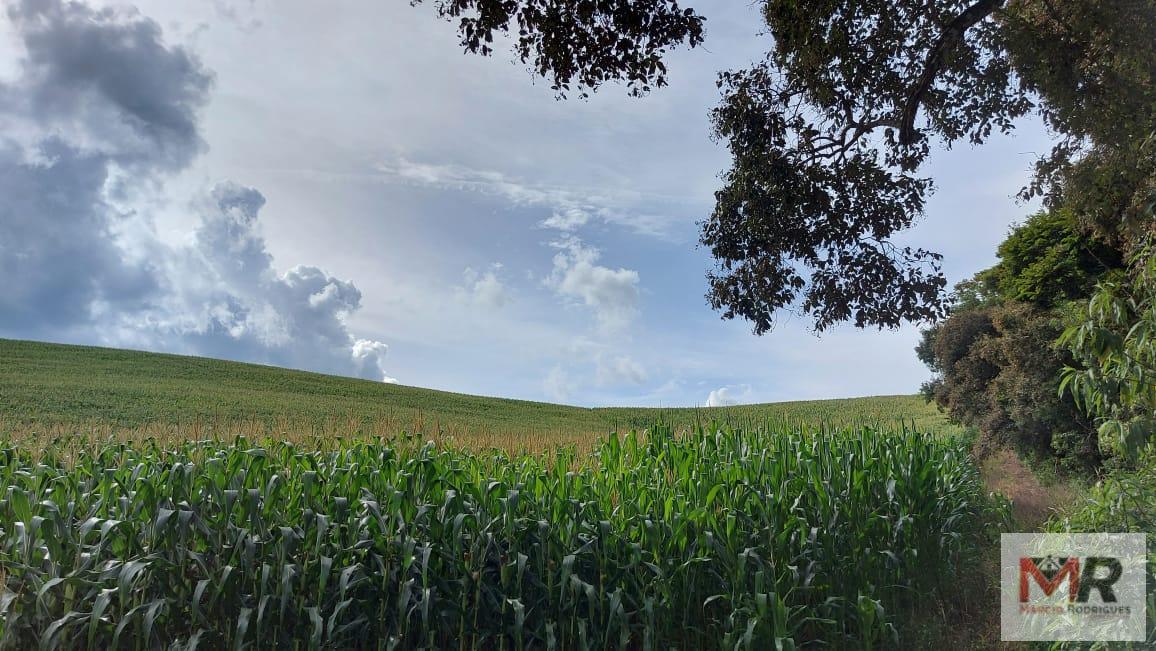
[(770, 537)]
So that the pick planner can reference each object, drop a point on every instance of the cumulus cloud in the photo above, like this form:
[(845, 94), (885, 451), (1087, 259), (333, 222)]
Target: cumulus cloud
[(101, 112), (485, 288), (369, 355), (57, 255), (729, 395), (98, 98), (107, 80), (612, 294), (225, 298)]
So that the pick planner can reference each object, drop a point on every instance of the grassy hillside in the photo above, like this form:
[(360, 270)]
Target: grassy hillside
[(52, 389)]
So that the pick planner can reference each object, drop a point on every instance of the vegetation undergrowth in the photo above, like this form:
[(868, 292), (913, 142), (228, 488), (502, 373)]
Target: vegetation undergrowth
[(719, 538), (1123, 501)]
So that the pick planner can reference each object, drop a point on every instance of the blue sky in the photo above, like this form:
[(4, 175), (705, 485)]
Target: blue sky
[(334, 186)]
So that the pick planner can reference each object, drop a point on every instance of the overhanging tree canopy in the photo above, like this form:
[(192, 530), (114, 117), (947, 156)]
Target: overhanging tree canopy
[(828, 132)]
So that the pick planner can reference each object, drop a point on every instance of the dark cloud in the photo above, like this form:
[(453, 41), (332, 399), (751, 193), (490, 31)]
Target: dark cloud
[(99, 101), (58, 257), (109, 74), (101, 111)]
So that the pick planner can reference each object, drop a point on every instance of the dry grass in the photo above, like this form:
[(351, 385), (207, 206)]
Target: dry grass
[(66, 439)]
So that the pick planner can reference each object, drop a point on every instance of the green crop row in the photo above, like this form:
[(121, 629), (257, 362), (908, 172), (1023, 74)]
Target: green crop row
[(717, 538)]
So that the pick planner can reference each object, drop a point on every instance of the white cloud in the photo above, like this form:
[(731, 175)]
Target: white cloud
[(612, 294), (485, 288), (558, 384), (223, 297), (619, 370), (728, 395), (370, 355), (567, 219), (570, 208)]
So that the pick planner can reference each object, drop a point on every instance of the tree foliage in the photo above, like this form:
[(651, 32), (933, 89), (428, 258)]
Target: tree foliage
[(995, 357), (1050, 259), (580, 44), (1115, 345), (998, 370), (826, 141), (1092, 65), (828, 132)]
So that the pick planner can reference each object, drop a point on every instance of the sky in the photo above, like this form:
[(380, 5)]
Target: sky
[(336, 187)]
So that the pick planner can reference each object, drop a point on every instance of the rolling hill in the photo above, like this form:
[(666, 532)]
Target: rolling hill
[(56, 389)]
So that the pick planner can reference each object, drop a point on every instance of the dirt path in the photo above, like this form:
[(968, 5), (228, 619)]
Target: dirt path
[(1032, 502), (976, 606), (969, 617)]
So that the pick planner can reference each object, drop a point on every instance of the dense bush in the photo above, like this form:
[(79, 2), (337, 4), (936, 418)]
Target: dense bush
[(1048, 260), (1115, 348), (998, 370), (995, 357), (1123, 501)]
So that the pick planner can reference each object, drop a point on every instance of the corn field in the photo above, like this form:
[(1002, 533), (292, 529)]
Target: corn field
[(715, 538)]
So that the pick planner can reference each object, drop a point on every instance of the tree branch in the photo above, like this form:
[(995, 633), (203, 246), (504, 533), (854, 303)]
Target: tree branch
[(951, 37)]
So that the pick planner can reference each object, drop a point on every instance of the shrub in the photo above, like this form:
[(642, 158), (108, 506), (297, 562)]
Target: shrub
[(995, 357), (1124, 501), (1114, 378), (998, 370)]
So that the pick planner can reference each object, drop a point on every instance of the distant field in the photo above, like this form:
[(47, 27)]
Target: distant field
[(49, 390)]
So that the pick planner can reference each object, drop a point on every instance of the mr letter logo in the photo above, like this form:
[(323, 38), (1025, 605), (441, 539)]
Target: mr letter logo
[(1073, 587), (1049, 572)]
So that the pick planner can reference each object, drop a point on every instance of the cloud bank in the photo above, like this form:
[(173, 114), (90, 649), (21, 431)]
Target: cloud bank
[(100, 114)]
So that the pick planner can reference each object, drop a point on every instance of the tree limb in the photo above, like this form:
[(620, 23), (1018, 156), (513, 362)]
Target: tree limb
[(951, 37)]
